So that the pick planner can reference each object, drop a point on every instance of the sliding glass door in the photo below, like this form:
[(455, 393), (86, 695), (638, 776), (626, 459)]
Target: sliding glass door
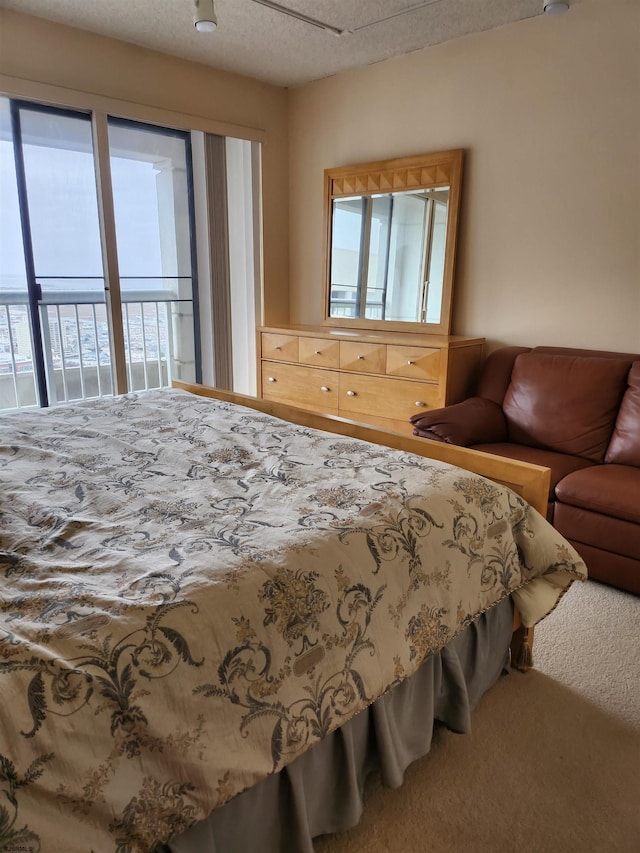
[(56, 322), (18, 386), (153, 204), (56, 178)]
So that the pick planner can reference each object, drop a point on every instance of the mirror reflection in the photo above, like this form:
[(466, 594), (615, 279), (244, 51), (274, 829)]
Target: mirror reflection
[(388, 256), (390, 232)]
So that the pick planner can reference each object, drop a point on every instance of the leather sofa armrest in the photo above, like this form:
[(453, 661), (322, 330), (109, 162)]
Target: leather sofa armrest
[(473, 421)]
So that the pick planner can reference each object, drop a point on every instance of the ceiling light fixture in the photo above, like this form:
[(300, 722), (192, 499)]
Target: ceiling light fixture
[(551, 7), (204, 19)]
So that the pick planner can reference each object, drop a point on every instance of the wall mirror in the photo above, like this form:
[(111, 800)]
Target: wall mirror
[(390, 231)]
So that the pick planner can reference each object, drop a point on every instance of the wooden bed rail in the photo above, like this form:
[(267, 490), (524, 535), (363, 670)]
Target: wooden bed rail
[(529, 481)]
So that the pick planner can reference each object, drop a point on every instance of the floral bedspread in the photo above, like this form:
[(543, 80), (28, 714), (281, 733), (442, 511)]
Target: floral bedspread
[(193, 593)]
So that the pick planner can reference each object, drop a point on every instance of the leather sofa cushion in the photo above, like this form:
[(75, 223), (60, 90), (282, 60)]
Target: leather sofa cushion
[(595, 353), (565, 403), (608, 489), (624, 447), (597, 530), (469, 422), (610, 568), (559, 463), (496, 373)]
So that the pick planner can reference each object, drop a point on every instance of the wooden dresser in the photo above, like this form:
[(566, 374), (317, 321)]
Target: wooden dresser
[(379, 378)]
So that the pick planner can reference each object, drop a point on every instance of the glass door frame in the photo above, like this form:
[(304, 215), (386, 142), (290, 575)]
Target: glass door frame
[(34, 290), (98, 122), (185, 136)]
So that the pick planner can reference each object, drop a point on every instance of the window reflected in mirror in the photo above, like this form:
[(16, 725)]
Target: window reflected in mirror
[(387, 256), (390, 238)]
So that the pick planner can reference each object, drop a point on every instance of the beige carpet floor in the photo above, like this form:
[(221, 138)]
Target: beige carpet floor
[(552, 764)]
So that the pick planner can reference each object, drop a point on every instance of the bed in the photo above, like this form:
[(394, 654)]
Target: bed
[(210, 612)]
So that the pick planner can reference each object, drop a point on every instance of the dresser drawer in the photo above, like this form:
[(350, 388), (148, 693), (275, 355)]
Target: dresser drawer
[(280, 347), (390, 375), (305, 387), (380, 395), (413, 362), (319, 352), (362, 357)]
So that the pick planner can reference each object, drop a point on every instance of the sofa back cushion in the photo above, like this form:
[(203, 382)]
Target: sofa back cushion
[(496, 373), (565, 403), (624, 448)]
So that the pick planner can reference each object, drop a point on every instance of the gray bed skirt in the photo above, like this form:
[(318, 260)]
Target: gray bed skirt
[(321, 791)]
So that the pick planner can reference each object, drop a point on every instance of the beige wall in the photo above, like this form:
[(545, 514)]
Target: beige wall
[(548, 111), (32, 49)]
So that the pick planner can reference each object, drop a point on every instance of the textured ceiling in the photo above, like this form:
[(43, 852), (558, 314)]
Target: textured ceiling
[(260, 42)]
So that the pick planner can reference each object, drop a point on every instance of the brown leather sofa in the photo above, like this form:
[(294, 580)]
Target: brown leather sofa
[(577, 412)]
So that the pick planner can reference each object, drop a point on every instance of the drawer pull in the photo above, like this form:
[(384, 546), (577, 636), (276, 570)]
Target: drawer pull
[(420, 404), (410, 362), (272, 379), (351, 394), (318, 352), (360, 358), (278, 349), (324, 388)]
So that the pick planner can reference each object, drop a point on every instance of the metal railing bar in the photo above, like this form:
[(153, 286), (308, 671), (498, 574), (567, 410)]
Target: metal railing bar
[(169, 345), (156, 277), (128, 356), (78, 297), (14, 369), (62, 359), (159, 345), (14, 297), (122, 277), (97, 343), (70, 278), (144, 349), (82, 385)]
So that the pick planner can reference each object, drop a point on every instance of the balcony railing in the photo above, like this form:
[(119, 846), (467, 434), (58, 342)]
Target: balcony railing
[(76, 342)]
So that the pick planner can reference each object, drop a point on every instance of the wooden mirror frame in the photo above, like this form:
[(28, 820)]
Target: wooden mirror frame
[(440, 169)]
